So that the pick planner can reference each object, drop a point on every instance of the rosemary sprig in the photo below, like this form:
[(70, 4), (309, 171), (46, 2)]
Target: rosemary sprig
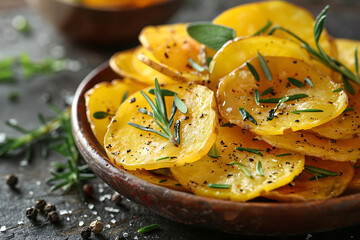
[(159, 114), (251, 150), (338, 90), (283, 155), (348, 109), (349, 88), (149, 228), (257, 97), (306, 110), (319, 172), (264, 66), (218, 185), (319, 53), (253, 71), (290, 98), (259, 169), (228, 124), (264, 28), (247, 116), (272, 112), (195, 65), (267, 91), (296, 82), (102, 115), (243, 168)]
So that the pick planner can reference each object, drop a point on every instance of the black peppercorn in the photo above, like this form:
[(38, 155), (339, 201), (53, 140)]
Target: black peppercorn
[(49, 208), (40, 204), (88, 190), (53, 216), (85, 233), (11, 180), (116, 198), (31, 213)]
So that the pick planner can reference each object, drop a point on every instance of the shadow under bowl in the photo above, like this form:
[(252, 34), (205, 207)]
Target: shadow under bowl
[(250, 218), (97, 26)]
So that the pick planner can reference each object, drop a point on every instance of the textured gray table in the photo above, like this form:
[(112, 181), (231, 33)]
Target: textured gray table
[(122, 220)]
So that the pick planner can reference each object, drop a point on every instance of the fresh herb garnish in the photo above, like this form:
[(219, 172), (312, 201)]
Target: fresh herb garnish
[(211, 35), (102, 115), (259, 169), (228, 124), (218, 185), (356, 62), (319, 172), (213, 152), (291, 98), (319, 53), (208, 60), (162, 180), (149, 228), (243, 168), (264, 28), (308, 81), (125, 96), (272, 112), (245, 115), (159, 115), (283, 155), (296, 82), (257, 97), (195, 65), (267, 91), (348, 109), (251, 150), (338, 90), (164, 92), (349, 88), (163, 158), (253, 71), (264, 66), (306, 110)]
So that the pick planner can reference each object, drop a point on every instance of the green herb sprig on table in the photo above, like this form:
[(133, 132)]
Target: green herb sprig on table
[(159, 114)]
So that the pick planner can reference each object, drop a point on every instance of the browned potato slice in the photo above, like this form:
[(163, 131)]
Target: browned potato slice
[(236, 52), (248, 19), (237, 90), (354, 185), (305, 188), (163, 180), (310, 144), (107, 97), (277, 170), (133, 148), (172, 48), (127, 64)]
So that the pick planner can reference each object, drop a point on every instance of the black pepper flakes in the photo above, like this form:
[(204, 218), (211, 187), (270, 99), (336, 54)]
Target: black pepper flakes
[(31, 213), (40, 204), (53, 216), (11, 180), (49, 208), (85, 233)]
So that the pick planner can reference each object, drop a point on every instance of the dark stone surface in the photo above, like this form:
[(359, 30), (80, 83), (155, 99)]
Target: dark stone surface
[(127, 218)]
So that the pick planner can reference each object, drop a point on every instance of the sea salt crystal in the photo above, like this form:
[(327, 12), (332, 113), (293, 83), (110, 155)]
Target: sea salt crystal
[(38, 183), (107, 225), (2, 229), (111, 209), (98, 218), (63, 212), (125, 234), (20, 222), (104, 197), (111, 215), (91, 206), (113, 221), (81, 223), (136, 237), (94, 212), (68, 219)]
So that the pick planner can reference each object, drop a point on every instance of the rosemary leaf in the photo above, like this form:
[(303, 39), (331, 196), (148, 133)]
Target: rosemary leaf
[(164, 92), (306, 110), (208, 60), (264, 28), (243, 168), (272, 112), (296, 82), (125, 96), (291, 98), (308, 81), (149, 228), (228, 124), (259, 169), (338, 90), (349, 88), (180, 105), (213, 152), (195, 65), (177, 131), (348, 109), (251, 150), (148, 129), (102, 115), (162, 180), (267, 91), (218, 185), (163, 158), (283, 155), (253, 71), (356, 62), (257, 97), (320, 171), (245, 115), (264, 67)]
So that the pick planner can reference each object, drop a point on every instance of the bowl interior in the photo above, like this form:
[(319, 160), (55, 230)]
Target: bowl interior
[(253, 218)]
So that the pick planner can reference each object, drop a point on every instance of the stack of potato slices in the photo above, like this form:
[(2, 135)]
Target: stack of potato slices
[(261, 102)]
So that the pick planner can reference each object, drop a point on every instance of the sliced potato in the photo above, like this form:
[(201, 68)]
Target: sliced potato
[(277, 170), (346, 51), (107, 97), (310, 144), (236, 52), (127, 64), (163, 180), (305, 188), (237, 90), (172, 47), (354, 185), (132, 148), (248, 19)]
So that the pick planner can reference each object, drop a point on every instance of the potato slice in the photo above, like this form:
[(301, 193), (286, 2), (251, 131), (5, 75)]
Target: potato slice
[(277, 170), (237, 90), (164, 180), (347, 125), (310, 144), (133, 148), (354, 185), (107, 97), (172, 47), (248, 19), (127, 64), (236, 52), (305, 188)]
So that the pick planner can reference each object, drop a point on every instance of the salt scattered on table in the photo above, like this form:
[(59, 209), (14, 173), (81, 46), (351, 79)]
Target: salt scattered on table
[(111, 209), (2, 228)]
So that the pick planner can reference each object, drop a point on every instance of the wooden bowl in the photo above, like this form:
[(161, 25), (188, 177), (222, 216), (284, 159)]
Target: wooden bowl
[(252, 218), (103, 26)]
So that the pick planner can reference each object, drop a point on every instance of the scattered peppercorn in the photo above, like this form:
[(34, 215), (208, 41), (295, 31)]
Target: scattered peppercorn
[(96, 226), (49, 208), (116, 198), (11, 180), (88, 190), (31, 213), (40, 204), (85, 233), (53, 216)]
